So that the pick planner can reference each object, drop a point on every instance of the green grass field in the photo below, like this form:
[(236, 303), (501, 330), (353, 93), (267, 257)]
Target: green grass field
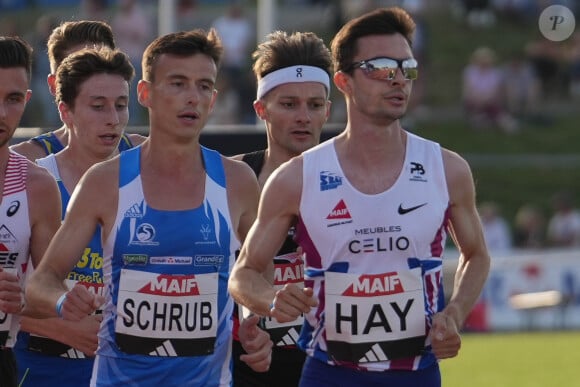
[(536, 359)]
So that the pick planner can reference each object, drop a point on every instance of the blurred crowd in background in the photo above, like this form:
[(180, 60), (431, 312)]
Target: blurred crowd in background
[(532, 227), (498, 92)]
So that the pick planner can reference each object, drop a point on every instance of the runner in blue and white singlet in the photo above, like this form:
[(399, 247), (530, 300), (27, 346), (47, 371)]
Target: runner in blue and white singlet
[(166, 274), (38, 356), (374, 286)]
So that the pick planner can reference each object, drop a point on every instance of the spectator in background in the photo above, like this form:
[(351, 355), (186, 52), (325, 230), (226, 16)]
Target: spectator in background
[(529, 227), (94, 10), (351, 9), (564, 225), (574, 65), (188, 15), (237, 33), (547, 58), (225, 110), (482, 92), (521, 87), (516, 10), (477, 13), (417, 10), (496, 231), (133, 30)]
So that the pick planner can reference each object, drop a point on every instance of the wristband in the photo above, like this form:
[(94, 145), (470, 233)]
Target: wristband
[(59, 303)]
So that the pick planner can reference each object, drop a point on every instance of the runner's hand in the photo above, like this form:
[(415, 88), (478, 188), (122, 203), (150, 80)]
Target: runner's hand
[(11, 294), (256, 343), (445, 338), (291, 301), (79, 303)]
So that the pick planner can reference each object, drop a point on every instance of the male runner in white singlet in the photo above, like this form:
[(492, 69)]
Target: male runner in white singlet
[(30, 206), (374, 207), (172, 214)]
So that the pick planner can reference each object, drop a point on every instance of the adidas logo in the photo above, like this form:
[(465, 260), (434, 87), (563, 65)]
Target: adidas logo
[(72, 353), (373, 355), (165, 349), (290, 338), (134, 212), (339, 212)]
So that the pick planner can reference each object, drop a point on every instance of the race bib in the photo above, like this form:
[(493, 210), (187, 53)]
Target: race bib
[(374, 317), (166, 314)]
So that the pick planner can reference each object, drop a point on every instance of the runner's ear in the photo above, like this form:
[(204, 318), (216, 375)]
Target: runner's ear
[(260, 109), (342, 82)]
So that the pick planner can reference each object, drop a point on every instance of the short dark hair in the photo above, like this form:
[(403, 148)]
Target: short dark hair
[(382, 21), (74, 33), (183, 44), (281, 50), (15, 52), (81, 65)]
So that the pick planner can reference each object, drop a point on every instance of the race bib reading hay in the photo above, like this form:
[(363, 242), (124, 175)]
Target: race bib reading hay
[(166, 314), (374, 317)]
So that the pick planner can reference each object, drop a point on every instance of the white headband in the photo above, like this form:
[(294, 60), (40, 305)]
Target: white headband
[(293, 74)]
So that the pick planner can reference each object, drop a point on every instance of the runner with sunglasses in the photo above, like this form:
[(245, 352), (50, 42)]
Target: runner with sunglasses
[(373, 206)]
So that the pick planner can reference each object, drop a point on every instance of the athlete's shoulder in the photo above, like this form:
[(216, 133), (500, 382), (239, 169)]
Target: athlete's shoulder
[(233, 168), (30, 149), (41, 185), (457, 169), (130, 140), (288, 176)]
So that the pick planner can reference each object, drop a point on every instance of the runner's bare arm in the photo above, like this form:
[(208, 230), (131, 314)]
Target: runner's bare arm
[(466, 231), (91, 202), (279, 205)]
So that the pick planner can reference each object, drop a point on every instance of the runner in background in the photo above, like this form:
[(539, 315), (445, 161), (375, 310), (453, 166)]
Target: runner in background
[(293, 73), (65, 39)]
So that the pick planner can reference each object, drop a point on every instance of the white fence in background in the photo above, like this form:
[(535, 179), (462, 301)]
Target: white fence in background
[(549, 281)]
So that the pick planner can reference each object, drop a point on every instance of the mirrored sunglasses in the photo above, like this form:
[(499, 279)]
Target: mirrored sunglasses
[(386, 68)]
